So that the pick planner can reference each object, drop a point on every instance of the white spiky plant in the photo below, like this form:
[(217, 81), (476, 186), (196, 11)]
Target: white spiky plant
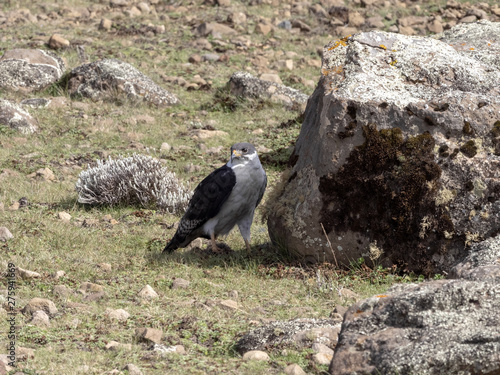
[(136, 179)]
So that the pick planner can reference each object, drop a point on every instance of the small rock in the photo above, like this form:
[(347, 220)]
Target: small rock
[(287, 25), (356, 19), (105, 24), (285, 64), (64, 216), (147, 293), (294, 369), (59, 274), (262, 28), (165, 147), (322, 358), (45, 174), (233, 294), (115, 346), (62, 291), (322, 348), (88, 287), (256, 355), (468, 19), (132, 369), (179, 283), (14, 206), (56, 41), (105, 267), (119, 314), (144, 7), (36, 304), (11, 114), (27, 274), (237, 18), (24, 353), (40, 319), (213, 57), (214, 29), (5, 233), (149, 335), (36, 102), (228, 304), (134, 12), (194, 59), (435, 27)]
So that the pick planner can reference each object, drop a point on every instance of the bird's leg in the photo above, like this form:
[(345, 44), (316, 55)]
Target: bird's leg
[(215, 248), (247, 244)]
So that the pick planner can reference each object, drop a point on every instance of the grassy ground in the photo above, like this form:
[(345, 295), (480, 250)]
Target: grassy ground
[(269, 285)]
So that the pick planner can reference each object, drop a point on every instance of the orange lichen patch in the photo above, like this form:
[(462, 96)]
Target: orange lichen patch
[(382, 46), (381, 296), (393, 62), (472, 48), (337, 70), (340, 42)]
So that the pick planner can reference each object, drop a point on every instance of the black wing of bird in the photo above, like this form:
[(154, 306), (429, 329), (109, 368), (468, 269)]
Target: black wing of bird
[(208, 197)]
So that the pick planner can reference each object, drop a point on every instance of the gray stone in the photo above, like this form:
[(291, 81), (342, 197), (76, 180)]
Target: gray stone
[(5, 234), (299, 333), (40, 319), (36, 304), (214, 29), (246, 85), (287, 25), (179, 283), (27, 274), (399, 153), (294, 369), (152, 335), (15, 117), (36, 103), (119, 314), (437, 327), (256, 355), (29, 69), (133, 369), (481, 264), (103, 78)]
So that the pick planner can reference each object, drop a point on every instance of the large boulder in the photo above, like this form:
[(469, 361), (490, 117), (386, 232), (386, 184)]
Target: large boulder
[(399, 152), (29, 69), (437, 327), (103, 79)]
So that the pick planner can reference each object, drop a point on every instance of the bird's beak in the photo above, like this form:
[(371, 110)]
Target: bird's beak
[(237, 153)]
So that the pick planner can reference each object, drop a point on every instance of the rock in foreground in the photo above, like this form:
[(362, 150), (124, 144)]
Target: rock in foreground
[(399, 153)]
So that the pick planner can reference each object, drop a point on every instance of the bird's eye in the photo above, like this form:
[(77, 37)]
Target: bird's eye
[(244, 149)]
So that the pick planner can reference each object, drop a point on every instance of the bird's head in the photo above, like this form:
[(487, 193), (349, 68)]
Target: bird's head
[(242, 153)]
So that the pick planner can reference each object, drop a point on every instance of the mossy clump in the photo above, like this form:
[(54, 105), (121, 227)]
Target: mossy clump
[(467, 129), (495, 135), (469, 149), (386, 188)]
